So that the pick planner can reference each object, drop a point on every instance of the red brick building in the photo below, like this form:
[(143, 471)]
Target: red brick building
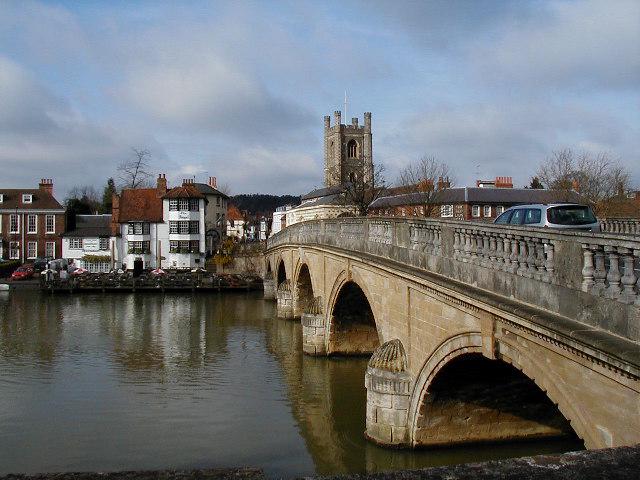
[(31, 222)]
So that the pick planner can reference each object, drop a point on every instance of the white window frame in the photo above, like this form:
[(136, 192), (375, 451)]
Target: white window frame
[(14, 250), (15, 216), (50, 219), (183, 227), (183, 204), (475, 211), (173, 227), (27, 198), (173, 204), (446, 211), (53, 249), (499, 210), (33, 217), (34, 253), (484, 211), (103, 243), (75, 243)]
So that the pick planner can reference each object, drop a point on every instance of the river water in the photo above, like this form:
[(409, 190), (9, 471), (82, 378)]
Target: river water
[(124, 381)]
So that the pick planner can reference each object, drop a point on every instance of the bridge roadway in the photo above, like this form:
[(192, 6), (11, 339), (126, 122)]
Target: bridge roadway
[(477, 332)]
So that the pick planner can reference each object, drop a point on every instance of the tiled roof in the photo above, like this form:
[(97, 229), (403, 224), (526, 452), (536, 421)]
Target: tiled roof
[(233, 213), (42, 200), (508, 196), (91, 226), (140, 204), (209, 190), (323, 192), (188, 190)]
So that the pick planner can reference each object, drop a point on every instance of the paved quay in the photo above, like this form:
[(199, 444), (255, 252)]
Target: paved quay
[(619, 463)]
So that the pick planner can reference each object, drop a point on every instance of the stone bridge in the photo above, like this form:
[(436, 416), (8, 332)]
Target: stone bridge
[(476, 332)]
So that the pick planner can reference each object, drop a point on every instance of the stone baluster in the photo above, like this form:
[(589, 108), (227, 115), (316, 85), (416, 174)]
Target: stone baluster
[(485, 259), (474, 247), (540, 260), (456, 244), (549, 263), (628, 280), (522, 257), (506, 252), (636, 253), (499, 251), (467, 246), (613, 275), (600, 271), (514, 254), (438, 240), (531, 257), (587, 268)]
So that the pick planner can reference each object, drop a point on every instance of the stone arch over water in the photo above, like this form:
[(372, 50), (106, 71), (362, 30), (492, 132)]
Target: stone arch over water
[(352, 325), (479, 399), (303, 294)]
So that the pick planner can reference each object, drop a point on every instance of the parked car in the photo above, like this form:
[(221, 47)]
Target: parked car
[(22, 273), (555, 215), (40, 264)]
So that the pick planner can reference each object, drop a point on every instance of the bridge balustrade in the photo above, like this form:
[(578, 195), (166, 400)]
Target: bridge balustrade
[(627, 226), (582, 271)]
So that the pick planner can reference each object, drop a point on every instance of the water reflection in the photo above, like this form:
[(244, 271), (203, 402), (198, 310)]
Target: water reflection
[(137, 382)]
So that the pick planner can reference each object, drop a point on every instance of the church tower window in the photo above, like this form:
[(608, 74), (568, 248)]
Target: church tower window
[(352, 149)]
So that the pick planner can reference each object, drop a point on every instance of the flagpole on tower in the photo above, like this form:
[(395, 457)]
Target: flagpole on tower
[(345, 107)]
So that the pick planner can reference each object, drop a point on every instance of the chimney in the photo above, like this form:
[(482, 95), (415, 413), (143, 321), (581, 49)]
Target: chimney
[(504, 182), (46, 185), (161, 184), (213, 183), (115, 213), (443, 183), (187, 181)]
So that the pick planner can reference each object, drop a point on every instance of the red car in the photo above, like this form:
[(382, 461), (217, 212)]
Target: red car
[(22, 273)]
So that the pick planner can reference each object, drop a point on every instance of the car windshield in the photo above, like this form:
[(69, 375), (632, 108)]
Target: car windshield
[(571, 215)]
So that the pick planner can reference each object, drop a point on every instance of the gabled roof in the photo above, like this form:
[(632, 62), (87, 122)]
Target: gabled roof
[(323, 192), (209, 190), (233, 213), (91, 226), (42, 200), (188, 190), (140, 204)]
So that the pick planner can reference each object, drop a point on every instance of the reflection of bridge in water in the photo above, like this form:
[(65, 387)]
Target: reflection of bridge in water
[(547, 322)]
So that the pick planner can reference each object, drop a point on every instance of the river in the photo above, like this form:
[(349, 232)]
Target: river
[(125, 381)]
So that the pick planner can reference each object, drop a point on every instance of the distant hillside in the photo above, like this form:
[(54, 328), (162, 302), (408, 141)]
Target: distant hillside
[(261, 204)]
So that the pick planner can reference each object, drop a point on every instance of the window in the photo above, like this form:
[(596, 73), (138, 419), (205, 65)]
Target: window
[(352, 149), (475, 211), (194, 227), (517, 216), (499, 210), (532, 216), (1, 197), (173, 246), (50, 223), (32, 224), (446, 211), (138, 228), (217, 201), (504, 217), (184, 204), (571, 215), (50, 249), (104, 243), (194, 204), (75, 243), (14, 223), (14, 250), (32, 249), (173, 227), (140, 247), (27, 198), (487, 211), (173, 204)]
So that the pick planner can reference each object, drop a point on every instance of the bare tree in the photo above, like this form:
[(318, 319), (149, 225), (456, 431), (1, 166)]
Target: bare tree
[(134, 172), (427, 178), (597, 177), (362, 190)]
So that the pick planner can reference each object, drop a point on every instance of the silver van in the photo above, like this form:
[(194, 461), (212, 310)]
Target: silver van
[(554, 215)]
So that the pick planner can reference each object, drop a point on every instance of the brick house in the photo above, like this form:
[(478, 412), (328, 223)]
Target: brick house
[(481, 203), (31, 222)]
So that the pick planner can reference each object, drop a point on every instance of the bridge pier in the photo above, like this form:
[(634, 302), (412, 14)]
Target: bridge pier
[(284, 299), (388, 395), (313, 334), (269, 285)]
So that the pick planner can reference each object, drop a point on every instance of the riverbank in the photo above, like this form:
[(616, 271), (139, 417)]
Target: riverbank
[(620, 463)]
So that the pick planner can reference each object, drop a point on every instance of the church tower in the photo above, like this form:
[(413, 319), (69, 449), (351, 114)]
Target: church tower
[(348, 155)]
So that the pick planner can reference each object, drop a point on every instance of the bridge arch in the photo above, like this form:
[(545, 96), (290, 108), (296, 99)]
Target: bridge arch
[(281, 274), (351, 328), (303, 292), (462, 354)]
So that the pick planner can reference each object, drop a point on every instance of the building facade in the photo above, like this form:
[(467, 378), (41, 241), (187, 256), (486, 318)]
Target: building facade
[(31, 222), (215, 220), (89, 244)]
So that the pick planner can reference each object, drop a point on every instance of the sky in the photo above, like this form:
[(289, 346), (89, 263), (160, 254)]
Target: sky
[(238, 90)]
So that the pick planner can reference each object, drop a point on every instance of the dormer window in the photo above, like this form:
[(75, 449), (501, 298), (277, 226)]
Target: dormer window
[(27, 198)]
